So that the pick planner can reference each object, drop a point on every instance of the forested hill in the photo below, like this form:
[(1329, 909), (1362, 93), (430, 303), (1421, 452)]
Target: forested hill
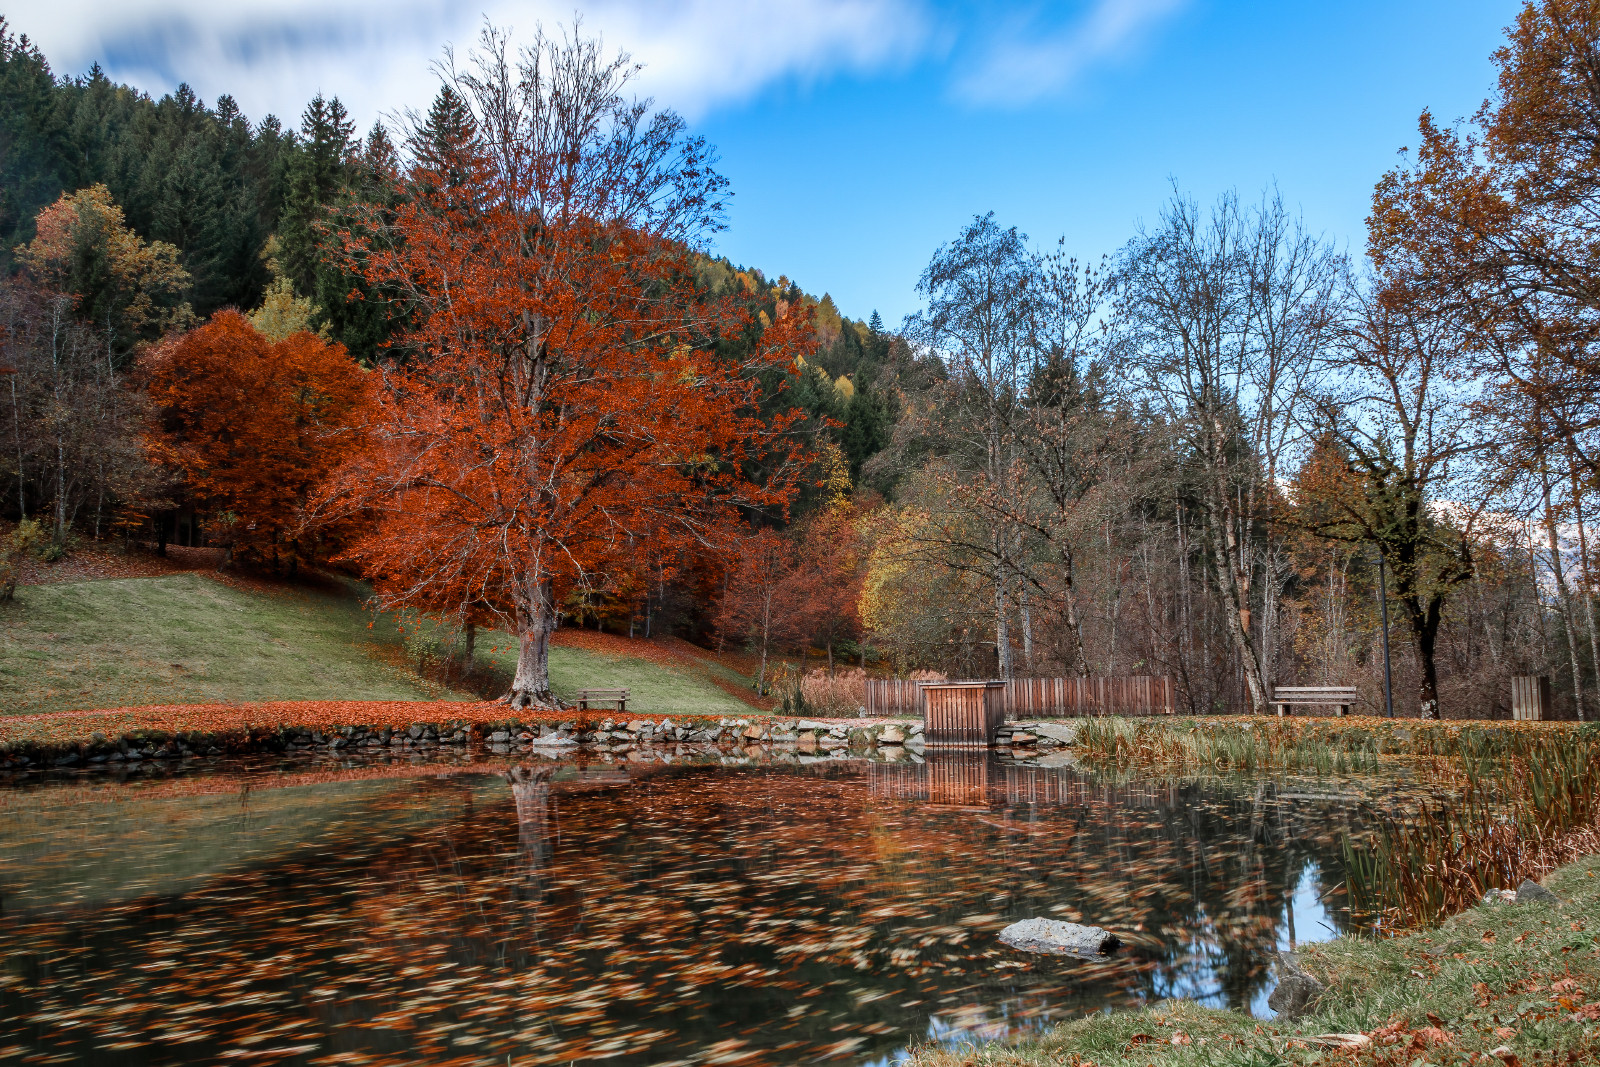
[(239, 200)]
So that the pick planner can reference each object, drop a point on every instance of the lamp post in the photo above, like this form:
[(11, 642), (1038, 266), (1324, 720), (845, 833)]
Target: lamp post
[(1383, 608)]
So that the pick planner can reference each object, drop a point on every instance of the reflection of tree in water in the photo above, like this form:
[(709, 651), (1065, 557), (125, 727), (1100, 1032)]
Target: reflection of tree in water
[(530, 788), (787, 914)]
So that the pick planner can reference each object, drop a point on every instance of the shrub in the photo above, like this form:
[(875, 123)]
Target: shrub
[(28, 538)]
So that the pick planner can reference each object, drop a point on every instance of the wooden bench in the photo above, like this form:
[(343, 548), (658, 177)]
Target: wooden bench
[(1342, 697), (619, 697)]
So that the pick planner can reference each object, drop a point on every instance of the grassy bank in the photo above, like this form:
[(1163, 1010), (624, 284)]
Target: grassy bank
[(188, 638), (1521, 981)]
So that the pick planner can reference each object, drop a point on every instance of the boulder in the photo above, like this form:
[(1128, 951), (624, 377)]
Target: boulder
[(1065, 733), (892, 735), (811, 724), (1058, 938), (1531, 892)]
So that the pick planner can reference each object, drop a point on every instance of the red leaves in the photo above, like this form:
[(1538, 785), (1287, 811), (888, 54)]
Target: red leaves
[(254, 426)]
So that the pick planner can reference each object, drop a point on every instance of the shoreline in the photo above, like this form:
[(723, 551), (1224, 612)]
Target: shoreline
[(126, 736), (177, 731), (1501, 983)]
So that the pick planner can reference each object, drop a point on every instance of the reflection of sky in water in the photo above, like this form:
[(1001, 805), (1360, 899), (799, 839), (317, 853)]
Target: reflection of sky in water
[(648, 914), (1304, 913), (1307, 916)]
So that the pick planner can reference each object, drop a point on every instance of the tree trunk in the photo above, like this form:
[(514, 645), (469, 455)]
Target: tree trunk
[(1236, 610), (1583, 571), (1074, 627), (1569, 621), (22, 474), (1002, 629), (535, 622), (1026, 613), (1428, 691), (469, 647), (766, 636)]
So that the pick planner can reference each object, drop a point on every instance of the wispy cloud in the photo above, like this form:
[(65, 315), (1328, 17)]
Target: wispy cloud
[(375, 54), (1026, 58)]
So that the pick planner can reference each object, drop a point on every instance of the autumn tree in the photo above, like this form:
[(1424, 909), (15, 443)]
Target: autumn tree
[(253, 426), (1223, 315), (827, 575), (74, 428), (1407, 435), (763, 603), (128, 288), (980, 293), (559, 410)]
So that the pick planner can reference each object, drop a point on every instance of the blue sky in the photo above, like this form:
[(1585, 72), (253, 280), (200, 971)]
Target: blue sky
[(860, 134)]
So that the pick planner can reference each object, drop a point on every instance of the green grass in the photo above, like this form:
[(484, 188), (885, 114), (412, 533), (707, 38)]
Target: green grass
[(1490, 968), (654, 689), (187, 639)]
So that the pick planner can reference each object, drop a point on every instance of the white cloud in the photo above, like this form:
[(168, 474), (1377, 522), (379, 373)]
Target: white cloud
[(272, 55), (1024, 61)]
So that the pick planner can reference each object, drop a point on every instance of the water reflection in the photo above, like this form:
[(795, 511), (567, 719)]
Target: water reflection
[(553, 912)]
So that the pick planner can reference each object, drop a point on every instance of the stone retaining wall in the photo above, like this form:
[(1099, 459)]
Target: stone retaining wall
[(512, 735)]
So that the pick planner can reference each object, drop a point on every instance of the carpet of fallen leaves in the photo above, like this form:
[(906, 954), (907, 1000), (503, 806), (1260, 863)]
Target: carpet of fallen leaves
[(641, 915), (68, 727), (93, 561)]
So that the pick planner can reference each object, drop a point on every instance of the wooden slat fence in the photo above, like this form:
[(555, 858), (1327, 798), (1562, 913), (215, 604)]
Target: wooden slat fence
[(1041, 697)]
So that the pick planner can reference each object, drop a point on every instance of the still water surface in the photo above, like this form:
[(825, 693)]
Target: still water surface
[(641, 913)]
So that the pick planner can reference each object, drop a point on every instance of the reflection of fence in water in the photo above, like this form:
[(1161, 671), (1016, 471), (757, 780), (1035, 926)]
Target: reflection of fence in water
[(1045, 785), (963, 778), (976, 779)]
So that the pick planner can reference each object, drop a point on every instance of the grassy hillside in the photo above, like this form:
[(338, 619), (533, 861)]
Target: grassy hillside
[(188, 638)]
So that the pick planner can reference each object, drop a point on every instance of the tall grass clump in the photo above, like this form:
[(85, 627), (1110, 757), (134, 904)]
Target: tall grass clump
[(842, 694), (1230, 745), (1528, 803)]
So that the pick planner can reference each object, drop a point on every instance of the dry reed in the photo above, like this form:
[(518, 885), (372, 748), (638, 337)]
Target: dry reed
[(1527, 804)]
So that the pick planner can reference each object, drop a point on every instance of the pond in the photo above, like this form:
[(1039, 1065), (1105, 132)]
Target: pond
[(675, 911)]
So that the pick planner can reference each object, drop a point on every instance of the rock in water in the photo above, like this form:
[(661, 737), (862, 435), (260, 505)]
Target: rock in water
[(1531, 892), (1058, 938), (1065, 733)]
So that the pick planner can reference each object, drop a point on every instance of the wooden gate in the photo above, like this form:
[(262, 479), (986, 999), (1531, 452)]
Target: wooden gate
[(962, 714), (1530, 696)]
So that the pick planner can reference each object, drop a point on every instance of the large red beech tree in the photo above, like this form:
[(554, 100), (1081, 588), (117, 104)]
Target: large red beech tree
[(560, 406)]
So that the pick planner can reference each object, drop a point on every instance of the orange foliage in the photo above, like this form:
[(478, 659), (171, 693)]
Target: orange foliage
[(254, 426), (563, 419)]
